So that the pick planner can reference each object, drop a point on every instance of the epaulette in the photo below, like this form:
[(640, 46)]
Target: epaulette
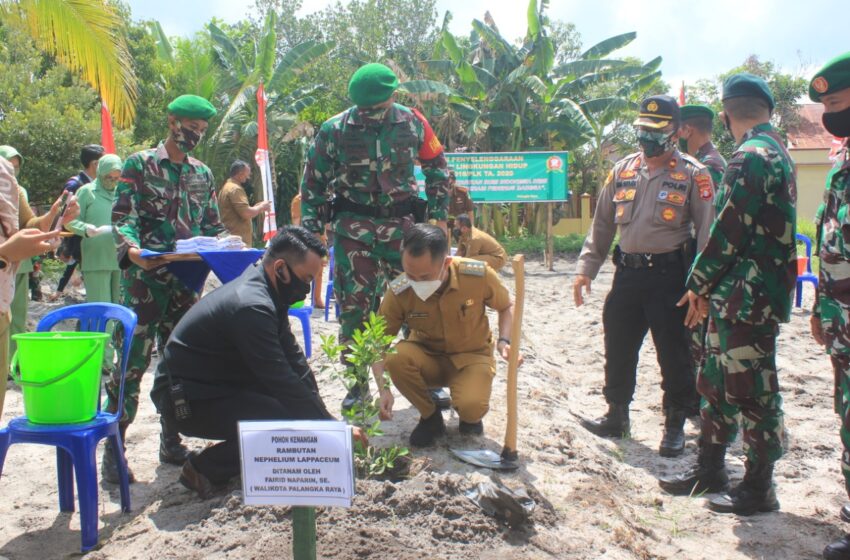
[(472, 268), (462, 189), (400, 284), (688, 158)]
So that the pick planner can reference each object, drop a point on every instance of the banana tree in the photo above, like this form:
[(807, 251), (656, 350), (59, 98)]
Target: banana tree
[(84, 36), (235, 133)]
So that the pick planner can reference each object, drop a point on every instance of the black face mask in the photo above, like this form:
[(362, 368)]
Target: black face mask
[(838, 123), (295, 291)]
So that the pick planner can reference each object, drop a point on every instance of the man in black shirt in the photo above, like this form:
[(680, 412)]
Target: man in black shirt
[(233, 357)]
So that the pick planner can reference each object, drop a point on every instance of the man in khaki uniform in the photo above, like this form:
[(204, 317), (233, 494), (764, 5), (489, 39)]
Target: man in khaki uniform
[(476, 244), (459, 201), (233, 206), (655, 197), (443, 301)]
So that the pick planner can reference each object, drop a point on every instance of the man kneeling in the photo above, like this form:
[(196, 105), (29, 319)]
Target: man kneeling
[(233, 357), (443, 301)]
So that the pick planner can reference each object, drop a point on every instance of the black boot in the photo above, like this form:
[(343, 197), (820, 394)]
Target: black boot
[(838, 550), (615, 423), (471, 428), (844, 514), (673, 442), (108, 465), (708, 475), (756, 493), (441, 398), (171, 448), (427, 430), (354, 395)]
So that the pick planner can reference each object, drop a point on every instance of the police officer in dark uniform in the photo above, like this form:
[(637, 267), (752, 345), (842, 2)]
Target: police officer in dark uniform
[(654, 197)]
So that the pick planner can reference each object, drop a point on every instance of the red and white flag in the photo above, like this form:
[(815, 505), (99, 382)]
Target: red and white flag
[(107, 140), (682, 94), (263, 162)]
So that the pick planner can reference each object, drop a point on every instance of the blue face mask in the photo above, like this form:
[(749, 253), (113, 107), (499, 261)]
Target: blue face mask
[(653, 143)]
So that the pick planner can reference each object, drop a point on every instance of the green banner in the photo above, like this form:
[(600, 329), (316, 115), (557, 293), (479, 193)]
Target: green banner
[(509, 176)]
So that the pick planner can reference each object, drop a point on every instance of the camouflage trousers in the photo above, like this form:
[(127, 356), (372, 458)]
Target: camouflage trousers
[(160, 300), (697, 346), (739, 386), (367, 255)]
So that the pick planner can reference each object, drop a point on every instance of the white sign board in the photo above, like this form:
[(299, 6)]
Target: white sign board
[(297, 463)]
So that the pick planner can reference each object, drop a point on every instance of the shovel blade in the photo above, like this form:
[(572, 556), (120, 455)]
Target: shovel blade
[(485, 458)]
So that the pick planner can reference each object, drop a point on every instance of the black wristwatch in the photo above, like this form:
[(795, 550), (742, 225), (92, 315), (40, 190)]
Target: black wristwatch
[(503, 339)]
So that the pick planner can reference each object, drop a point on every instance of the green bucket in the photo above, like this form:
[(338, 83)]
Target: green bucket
[(59, 375)]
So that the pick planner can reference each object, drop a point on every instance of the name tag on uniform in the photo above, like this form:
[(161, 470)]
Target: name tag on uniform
[(418, 315)]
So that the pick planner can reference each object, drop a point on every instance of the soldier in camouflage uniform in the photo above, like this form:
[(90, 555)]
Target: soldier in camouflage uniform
[(359, 177), (163, 195), (743, 280), (695, 139), (831, 315)]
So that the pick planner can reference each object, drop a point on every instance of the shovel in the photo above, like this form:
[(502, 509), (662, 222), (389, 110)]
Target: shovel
[(507, 461)]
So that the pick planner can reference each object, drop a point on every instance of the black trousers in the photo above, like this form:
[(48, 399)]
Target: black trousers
[(641, 300), (216, 419)]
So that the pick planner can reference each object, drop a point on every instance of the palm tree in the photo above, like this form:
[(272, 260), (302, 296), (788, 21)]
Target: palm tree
[(85, 36)]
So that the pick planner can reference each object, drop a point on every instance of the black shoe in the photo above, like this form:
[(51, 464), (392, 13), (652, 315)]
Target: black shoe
[(171, 448), (352, 397), (471, 428), (838, 550), (109, 468), (756, 493), (707, 476), (844, 514), (192, 479), (441, 398), (673, 442), (615, 423), (427, 430)]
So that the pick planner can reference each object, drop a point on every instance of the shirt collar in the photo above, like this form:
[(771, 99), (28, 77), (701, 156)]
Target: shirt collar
[(757, 129), (161, 155), (705, 149), (394, 115)]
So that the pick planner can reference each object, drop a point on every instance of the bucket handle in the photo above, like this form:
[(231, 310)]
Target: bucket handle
[(13, 371)]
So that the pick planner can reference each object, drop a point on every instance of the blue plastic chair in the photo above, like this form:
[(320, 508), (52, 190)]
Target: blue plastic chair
[(76, 444), (806, 276), (303, 314), (329, 291)]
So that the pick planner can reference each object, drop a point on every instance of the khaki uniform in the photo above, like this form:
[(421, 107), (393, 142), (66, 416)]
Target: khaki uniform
[(232, 200), (459, 202), (450, 343), (483, 247), (653, 211)]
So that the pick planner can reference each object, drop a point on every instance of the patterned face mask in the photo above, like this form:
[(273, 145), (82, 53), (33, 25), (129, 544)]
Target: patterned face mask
[(372, 113), (653, 143), (108, 183), (186, 138)]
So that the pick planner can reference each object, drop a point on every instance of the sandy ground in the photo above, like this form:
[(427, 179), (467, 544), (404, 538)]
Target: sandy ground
[(597, 498)]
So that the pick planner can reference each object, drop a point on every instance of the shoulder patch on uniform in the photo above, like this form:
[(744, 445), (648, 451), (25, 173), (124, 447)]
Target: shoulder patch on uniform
[(400, 284), (688, 158), (472, 268)]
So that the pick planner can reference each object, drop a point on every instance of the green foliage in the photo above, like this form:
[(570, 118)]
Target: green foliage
[(536, 244), (369, 345)]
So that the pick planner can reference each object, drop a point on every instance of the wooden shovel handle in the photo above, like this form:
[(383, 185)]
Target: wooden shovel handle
[(518, 264)]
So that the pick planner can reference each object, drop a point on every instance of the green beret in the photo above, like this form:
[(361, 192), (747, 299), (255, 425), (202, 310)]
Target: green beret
[(8, 152), (745, 84), (834, 76), (192, 107), (372, 84), (696, 111)]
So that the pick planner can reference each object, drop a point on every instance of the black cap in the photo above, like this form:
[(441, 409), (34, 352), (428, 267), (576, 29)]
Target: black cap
[(658, 111)]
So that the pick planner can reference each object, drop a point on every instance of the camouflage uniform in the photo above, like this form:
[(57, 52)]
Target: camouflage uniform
[(748, 269), (716, 164), (832, 303), (156, 203), (368, 165)]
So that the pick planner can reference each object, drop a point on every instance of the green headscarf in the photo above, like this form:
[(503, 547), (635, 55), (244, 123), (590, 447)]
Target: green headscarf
[(106, 165)]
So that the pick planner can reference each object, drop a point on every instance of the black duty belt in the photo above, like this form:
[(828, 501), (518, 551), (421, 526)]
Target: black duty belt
[(397, 210), (648, 260)]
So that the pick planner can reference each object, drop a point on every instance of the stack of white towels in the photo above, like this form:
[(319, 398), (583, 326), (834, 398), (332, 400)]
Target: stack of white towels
[(201, 243)]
